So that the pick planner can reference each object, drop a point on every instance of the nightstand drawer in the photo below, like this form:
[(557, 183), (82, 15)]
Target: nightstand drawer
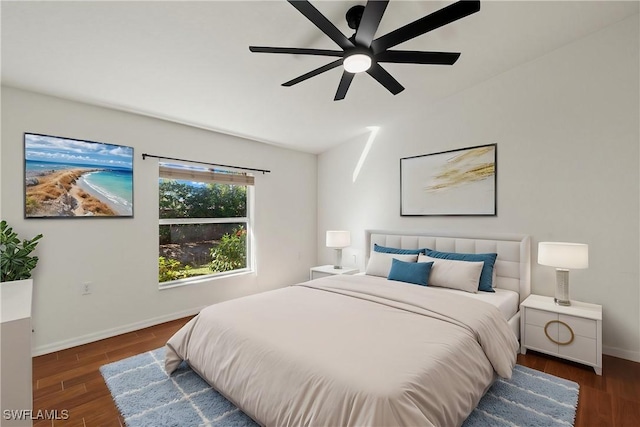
[(581, 349), (580, 326), (319, 274), (539, 317), (537, 339)]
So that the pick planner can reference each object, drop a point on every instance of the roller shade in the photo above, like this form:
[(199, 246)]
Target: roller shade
[(232, 178)]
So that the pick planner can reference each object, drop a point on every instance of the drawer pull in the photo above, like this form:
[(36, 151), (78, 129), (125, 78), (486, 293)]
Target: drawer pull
[(556, 341)]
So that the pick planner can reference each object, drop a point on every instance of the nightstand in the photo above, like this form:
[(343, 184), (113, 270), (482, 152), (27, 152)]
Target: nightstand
[(328, 270), (571, 332)]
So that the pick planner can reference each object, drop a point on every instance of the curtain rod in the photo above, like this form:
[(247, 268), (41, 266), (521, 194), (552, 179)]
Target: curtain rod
[(145, 155)]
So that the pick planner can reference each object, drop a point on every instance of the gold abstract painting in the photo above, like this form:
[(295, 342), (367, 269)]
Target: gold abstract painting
[(456, 182)]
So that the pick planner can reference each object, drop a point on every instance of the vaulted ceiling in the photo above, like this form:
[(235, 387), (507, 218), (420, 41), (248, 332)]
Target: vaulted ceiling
[(189, 62)]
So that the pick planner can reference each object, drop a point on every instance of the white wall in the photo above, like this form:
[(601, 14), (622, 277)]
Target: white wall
[(567, 130), (119, 256)]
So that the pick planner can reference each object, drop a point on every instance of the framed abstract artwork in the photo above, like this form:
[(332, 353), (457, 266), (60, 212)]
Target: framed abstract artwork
[(71, 178), (455, 182)]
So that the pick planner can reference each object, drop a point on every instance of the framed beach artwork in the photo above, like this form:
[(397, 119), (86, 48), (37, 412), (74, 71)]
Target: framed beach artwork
[(455, 182), (71, 178)]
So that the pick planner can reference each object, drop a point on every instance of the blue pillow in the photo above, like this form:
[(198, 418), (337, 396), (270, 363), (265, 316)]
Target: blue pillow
[(410, 272), (386, 250), (486, 277)]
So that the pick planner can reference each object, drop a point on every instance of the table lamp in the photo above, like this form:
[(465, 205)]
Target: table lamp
[(338, 240), (563, 256)]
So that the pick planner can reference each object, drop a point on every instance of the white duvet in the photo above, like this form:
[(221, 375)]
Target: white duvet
[(349, 350)]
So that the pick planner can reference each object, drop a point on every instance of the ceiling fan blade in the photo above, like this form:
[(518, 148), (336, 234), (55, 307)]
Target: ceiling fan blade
[(385, 79), (313, 73), (437, 19), (320, 21), (343, 87), (417, 57), (296, 51), (371, 18)]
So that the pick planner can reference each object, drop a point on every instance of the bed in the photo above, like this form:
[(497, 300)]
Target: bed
[(364, 350)]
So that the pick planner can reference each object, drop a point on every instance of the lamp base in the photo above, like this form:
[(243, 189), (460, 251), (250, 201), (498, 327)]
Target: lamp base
[(338, 264), (562, 287)]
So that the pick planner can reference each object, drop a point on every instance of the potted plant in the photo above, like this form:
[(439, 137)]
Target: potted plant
[(16, 262)]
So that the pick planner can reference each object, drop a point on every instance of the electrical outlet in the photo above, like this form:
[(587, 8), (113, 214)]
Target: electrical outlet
[(85, 288)]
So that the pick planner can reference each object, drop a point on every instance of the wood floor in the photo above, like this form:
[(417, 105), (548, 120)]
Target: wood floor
[(70, 380), (612, 399)]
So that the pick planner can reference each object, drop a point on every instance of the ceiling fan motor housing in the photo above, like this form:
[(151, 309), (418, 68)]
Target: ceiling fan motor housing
[(354, 15)]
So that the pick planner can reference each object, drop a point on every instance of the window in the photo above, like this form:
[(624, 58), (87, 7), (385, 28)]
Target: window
[(205, 225)]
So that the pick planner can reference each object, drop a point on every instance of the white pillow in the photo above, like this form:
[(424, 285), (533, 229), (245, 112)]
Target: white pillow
[(380, 263), (494, 278), (454, 274)]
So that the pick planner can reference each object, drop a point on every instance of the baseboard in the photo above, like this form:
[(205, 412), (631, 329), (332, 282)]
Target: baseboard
[(622, 353), (108, 333)]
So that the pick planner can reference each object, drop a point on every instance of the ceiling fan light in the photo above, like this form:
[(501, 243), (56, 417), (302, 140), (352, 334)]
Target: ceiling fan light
[(357, 63)]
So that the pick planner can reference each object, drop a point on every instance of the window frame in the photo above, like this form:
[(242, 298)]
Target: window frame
[(247, 220)]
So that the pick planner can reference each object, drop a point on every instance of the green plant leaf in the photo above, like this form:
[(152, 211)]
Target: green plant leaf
[(16, 262)]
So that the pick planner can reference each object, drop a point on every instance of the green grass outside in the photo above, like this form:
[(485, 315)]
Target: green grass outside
[(198, 271)]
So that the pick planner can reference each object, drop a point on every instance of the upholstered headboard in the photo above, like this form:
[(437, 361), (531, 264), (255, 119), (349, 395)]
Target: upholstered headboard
[(513, 264)]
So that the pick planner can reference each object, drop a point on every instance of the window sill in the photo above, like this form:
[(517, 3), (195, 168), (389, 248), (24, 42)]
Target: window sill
[(202, 279)]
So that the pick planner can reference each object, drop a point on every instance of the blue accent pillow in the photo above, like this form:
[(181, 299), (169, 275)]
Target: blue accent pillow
[(486, 277), (410, 272), (386, 250)]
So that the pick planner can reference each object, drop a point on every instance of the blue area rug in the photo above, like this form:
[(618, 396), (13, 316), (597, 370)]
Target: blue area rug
[(147, 397)]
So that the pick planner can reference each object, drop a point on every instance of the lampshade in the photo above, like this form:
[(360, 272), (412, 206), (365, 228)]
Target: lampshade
[(563, 255), (338, 239), (357, 63)]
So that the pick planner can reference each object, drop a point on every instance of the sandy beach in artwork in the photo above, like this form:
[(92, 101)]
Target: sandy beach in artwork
[(56, 193)]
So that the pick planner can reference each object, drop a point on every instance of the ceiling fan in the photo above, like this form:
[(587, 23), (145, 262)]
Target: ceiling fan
[(361, 52)]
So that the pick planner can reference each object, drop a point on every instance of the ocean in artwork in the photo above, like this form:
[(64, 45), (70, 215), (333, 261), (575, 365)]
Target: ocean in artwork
[(114, 185)]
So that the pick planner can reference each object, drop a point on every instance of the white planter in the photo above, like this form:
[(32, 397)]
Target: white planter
[(15, 362), (15, 299)]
